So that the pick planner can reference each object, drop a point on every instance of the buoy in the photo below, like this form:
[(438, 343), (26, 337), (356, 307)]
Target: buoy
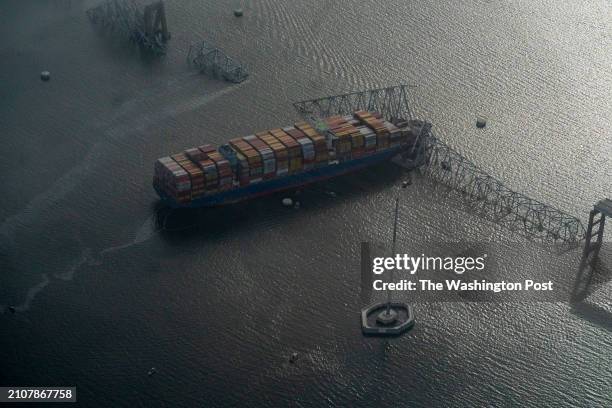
[(287, 202), (296, 205), (481, 122), (45, 75), (293, 357), (151, 371), (238, 12)]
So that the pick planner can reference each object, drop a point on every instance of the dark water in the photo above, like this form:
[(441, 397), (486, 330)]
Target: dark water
[(218, 304)]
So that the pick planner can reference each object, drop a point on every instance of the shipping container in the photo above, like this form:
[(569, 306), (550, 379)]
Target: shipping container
[(224, 170), (294, 150), (281, 154), (266, 153), (196, 175), (254, 159), (308, 148), (172, 179)]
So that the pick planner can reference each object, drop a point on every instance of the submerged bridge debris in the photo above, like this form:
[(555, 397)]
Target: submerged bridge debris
[(489, 196), (145, 27), (493, 200), (211, 60)]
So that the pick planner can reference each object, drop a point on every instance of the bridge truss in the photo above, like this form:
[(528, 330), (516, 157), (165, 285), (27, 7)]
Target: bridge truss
[(488, 196), (391, 102), (211, 60), (143, 26), (493, 200)]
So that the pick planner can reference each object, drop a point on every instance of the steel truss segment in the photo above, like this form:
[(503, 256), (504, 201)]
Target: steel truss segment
[(532, 217), (126, 18), (391, 102), (211, 60)]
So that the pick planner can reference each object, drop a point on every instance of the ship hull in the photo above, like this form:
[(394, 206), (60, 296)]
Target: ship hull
[(278, 184)]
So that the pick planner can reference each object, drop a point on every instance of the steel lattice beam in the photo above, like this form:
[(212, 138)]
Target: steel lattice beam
[(211, 60), (493, 200), (391, 102), (126, 19)]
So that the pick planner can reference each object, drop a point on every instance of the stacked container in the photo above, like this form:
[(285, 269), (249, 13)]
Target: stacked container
[(266, 153), (253, 161), (281, 155), (207, 148), (196, 176), (320, 145), (347, 139), (294, 150), (396, 136), (195, 155), (224, 170), (373, 122), (172, 179), (231, 156), (211, 176), (244, 174), (199, 156), (308, 151), (369, 139)]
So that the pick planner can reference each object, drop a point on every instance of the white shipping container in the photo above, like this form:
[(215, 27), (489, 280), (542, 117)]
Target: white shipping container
[(179, 173), (306, 143), (266, 154), (307, 149)]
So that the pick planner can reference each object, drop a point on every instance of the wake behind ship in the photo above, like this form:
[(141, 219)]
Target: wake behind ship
[(280, 159)]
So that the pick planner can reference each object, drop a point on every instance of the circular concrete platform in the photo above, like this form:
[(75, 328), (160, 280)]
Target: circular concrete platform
[(376, 321), (385, 318)]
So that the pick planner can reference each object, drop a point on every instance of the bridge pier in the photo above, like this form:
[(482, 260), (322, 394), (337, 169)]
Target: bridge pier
[(595, 229), (147, 28), (155, 21), (590, 253)]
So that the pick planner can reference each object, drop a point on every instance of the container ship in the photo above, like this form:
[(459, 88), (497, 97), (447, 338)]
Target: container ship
[(279, 159)]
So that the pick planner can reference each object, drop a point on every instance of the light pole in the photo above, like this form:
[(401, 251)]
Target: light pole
[(388, 318), (393, 246)]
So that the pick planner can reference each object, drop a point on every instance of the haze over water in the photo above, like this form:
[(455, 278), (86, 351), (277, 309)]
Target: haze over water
[(219, 304)]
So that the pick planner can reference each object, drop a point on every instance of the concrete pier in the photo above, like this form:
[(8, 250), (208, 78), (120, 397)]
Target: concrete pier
[(376, 321)]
